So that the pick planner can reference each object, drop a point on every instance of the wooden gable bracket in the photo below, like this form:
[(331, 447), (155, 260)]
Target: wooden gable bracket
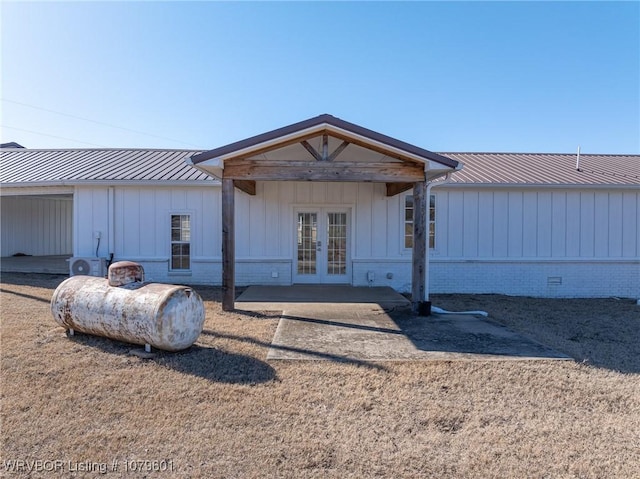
[(338, 150), (311, 150), (248, 186), (397, 188), (325, 156)]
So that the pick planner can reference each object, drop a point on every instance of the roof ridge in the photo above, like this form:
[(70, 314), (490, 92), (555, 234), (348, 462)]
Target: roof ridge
[(190, 150)]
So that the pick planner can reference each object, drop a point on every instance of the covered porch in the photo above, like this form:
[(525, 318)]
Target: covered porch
[(325, 149)]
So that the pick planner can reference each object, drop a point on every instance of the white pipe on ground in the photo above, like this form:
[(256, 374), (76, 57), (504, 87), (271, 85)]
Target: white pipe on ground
[(437, 310)]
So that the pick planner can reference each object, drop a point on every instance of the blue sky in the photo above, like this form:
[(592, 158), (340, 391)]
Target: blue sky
[(451, 76)]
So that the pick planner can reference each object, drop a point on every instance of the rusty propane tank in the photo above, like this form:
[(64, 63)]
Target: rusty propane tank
[(124, 308)]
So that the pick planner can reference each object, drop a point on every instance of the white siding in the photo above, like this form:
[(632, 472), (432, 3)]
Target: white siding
[(500, 220), (519, 241), (485, 214), (509, 241), (90, 215), (37, 226), (265, 226), (544, 225), (142, 222), (537, 224)]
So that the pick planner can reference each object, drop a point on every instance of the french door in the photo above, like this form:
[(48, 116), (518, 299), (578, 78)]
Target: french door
[(322, 246)]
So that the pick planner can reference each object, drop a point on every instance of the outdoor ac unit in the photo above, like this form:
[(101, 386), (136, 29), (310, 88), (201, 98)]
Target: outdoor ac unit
[(87, 267)]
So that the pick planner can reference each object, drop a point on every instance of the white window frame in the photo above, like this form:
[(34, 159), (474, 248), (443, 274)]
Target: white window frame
[(181, 241), (405, 222)]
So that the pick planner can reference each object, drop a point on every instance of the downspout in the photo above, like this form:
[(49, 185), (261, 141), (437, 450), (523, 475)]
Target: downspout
[(435, 309), (430, 185), (111, 222)]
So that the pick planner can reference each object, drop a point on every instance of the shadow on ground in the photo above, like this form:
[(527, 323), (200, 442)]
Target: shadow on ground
[(308, 352), (602, 332), (469, 336), (208, 363), (366, 333), (33, 279)]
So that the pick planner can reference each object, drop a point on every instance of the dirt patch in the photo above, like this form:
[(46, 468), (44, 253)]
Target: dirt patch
[(220, 409)]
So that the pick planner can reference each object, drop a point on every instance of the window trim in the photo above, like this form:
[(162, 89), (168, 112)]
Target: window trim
[(404, 222), (172, 242)]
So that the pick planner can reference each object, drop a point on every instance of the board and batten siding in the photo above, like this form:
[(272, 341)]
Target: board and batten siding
[(521, 241), (265, 229), (538, 242), (476, 224), (37, 225), (134, 224)]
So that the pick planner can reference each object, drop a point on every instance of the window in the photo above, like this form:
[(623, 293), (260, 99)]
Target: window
[(180, 242), (408, 221)]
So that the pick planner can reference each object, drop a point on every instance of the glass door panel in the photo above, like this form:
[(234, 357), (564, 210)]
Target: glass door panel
[(337, 244), (307, 243), (321, 251)]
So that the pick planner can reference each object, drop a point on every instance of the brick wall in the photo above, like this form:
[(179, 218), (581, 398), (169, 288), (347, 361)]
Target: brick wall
[(518, 278), (538, 278)]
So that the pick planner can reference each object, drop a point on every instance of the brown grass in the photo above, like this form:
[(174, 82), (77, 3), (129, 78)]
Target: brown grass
[(220, 410)]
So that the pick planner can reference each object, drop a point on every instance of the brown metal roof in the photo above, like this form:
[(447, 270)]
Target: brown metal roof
[(22, 167), (546, 169), (317, 121), (19, 166)]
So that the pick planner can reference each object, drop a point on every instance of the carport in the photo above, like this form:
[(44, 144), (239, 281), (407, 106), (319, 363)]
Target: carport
[(37, 229)]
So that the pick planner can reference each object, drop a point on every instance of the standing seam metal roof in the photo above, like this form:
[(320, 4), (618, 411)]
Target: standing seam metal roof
[(21, 166), (18, 166), (546, 169)]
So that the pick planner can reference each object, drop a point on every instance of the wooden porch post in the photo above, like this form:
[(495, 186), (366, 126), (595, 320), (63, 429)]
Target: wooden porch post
[(418, 301), (228, 246)]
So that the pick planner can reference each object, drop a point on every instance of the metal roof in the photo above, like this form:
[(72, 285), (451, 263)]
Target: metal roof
[(546, 169), (25, 167), (77, 166)]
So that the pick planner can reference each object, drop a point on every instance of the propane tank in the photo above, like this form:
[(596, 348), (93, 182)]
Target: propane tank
[(125, 308)]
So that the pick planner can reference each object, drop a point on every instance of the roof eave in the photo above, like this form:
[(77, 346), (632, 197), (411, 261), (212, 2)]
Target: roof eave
[(543, 186), (25, 184)]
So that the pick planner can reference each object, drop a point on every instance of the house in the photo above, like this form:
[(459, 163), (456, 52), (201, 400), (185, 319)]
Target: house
[(327, 201)]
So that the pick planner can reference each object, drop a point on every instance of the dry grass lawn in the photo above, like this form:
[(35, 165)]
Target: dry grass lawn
[(220, 410)]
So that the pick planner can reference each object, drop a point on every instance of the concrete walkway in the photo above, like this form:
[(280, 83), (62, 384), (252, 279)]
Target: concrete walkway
[(375, 324)]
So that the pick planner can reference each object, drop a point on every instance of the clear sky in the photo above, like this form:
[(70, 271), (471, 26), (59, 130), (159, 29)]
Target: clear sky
[(451, 76)]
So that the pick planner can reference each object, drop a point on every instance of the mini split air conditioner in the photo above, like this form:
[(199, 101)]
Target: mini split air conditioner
[(87, 267)]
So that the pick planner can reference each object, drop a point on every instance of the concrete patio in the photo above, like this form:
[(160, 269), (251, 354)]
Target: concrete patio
[(344, 323), (262, 298)]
